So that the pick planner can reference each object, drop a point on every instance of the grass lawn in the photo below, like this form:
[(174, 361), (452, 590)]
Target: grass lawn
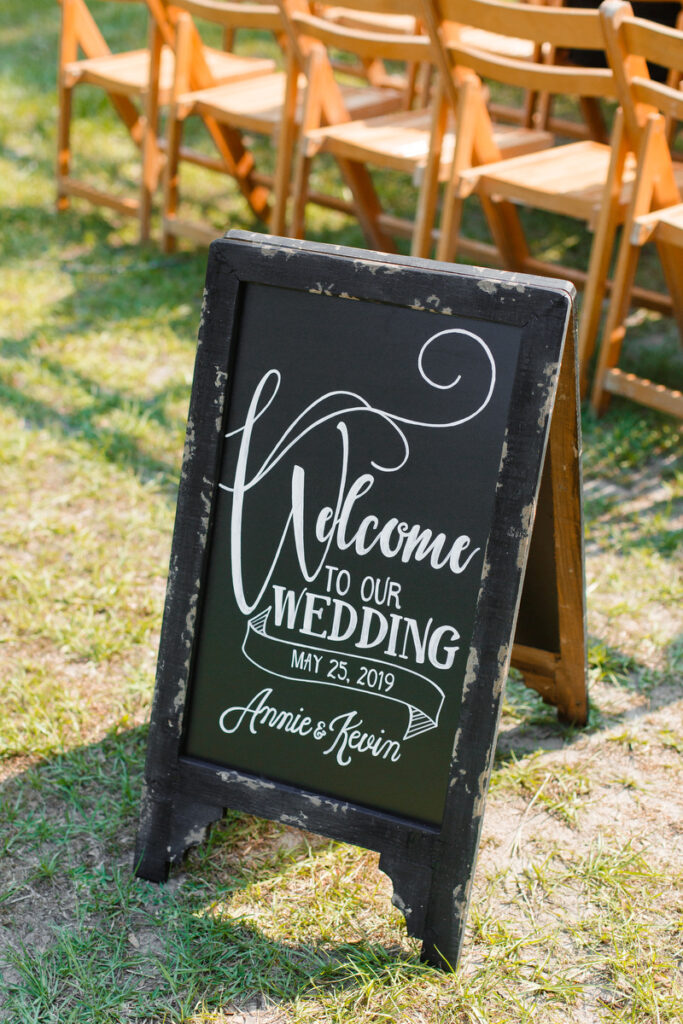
[(577, 910)]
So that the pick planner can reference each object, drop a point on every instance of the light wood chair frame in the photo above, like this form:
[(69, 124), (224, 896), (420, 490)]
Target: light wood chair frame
[(372, 67), (602, 207), (426, 157), (194, 93), (371, 32), (655, 213), (136, 101), (136, 97)]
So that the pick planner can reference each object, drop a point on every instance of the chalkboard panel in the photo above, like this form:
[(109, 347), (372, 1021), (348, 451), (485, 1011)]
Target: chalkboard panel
[(348, 544), (364, 452)]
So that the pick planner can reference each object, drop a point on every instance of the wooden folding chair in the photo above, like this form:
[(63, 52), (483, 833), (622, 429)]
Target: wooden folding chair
[(418, 142), (270, 107), (136, 82), (584, 180), (227, 111), (531, 111), (656, 210)]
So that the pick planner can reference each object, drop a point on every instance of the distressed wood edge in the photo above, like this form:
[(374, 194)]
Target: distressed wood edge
[(543, 343), (559, 674), (411, 881), (401, 858), (168, 829), (189, 546), (508, 281)]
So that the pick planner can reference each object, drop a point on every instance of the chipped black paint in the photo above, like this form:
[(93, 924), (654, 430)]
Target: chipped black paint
[(430, 865)]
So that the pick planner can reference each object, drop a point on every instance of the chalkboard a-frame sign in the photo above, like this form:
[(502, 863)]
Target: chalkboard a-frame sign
[(365, 449)]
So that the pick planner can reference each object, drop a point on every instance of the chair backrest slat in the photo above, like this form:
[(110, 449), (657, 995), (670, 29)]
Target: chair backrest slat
[(631, 44), (546, 28), (527, 74), (559, 26), (659, 96), (657, 43), (364, 43), (234, 15), (388, 9)]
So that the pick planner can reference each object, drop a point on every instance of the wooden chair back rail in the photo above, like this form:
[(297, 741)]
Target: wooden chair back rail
[(234, 15), (662, 45), (362, 11), (654, 210), (362, 19), (539, 31), (560, 27), (393, 46), (658, 96), (527, 74), (414, 80)]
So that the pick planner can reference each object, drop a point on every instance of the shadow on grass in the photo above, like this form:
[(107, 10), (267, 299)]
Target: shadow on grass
[(117, 446), (529, 725), (82, 939), (137, 293)]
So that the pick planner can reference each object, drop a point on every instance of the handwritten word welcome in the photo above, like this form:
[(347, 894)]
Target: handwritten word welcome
[(394, 539)]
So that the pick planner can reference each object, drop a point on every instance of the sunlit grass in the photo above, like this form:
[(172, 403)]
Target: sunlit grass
[(576, 910)]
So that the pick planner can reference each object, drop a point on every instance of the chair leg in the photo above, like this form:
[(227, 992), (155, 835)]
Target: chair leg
[(171, 173), (278, 216), (302, 170), (68, 51), (151, 155), (507, 232), (595, 122), (368, 206), (421, 243), (613, 335), (601, 251), (593, 295), (594, 292), (63, 143), (285, 146), (451, 219), (469, 107), (151, 163), (643, 190), (239, 163)]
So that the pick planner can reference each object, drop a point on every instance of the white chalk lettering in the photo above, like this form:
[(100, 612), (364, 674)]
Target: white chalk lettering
[(345, 729), (259, 712), (398, 636), (348, 736), (344, 523)]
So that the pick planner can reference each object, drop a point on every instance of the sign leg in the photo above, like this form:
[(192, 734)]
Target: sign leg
[(550, 640)]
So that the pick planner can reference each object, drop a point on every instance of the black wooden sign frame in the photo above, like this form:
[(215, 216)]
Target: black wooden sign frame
[(431, 865)]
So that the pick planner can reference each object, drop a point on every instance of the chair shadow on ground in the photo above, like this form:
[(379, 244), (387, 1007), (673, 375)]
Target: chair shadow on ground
[(137, 290)]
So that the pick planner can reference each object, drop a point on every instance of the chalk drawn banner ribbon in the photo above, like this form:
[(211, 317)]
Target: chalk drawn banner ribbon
[(281, 658)]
